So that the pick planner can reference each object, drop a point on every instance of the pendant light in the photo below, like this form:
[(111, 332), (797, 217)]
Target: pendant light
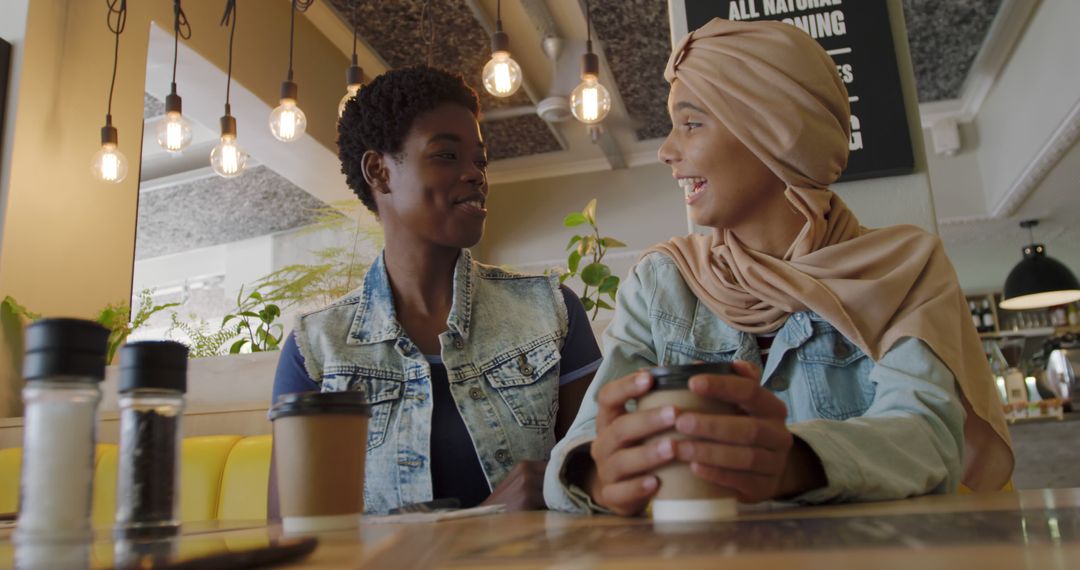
[(109, 164), (287, 120), (228, 159), (590, 100), (174, 131), (354, 76), (502, 75), (1038, 281)]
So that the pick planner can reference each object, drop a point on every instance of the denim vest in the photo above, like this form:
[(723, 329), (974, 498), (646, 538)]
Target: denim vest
[(883, 430), (501, 352)]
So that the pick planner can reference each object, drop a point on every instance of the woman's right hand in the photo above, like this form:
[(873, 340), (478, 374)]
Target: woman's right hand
[(622, 481)]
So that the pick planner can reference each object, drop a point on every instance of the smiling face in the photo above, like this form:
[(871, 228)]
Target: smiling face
[(726, 185), (436, 187)]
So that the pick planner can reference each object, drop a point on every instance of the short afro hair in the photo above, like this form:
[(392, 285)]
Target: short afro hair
[(379, 117)]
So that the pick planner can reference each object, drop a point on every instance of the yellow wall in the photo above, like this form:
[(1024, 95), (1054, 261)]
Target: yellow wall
[(68, 241)]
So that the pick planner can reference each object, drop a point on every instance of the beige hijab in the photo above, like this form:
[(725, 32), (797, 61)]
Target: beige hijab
[(778, 91)]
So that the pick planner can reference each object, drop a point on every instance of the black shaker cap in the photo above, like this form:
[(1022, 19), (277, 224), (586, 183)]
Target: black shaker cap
[(65, 347), (153, 365)]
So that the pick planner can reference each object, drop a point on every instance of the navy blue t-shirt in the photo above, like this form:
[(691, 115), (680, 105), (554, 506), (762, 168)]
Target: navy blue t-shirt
[(455, 467)]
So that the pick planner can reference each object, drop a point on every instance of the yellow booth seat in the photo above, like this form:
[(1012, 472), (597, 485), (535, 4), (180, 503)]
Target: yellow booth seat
[(245, 480), (222, 477)]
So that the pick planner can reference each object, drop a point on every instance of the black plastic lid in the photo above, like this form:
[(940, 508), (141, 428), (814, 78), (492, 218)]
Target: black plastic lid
[(678, 377), (65, 347), (153, 365), (318, 403)]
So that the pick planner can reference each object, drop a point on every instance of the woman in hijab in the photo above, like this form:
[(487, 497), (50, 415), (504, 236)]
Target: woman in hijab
[(857, 368)]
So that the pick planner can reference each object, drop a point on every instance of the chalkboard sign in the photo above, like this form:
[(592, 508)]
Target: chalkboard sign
[(858, 36)]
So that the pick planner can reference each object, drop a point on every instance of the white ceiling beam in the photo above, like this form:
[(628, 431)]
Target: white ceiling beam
[(1004, 33)]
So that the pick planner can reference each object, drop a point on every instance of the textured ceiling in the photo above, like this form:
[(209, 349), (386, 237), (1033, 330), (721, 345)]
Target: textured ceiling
[(393, 30), (945, 37), (152, 107), (637, 60), (213, 211)]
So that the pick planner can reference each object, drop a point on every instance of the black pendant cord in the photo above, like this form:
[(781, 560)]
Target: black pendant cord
[(181, 29), (429, 34), (588, 28), (1030, 224), (354, 5), (117, 20), (297, 6), (229, 19)]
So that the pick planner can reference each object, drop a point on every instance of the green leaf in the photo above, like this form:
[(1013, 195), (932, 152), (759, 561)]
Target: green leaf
[(563, 278), (226, 320), (612, 242), (574, 219), (610, 284), (249, 314), (573, 240), (236, 346), (586, 245), (611, 294), (273, 310), (572, 263), (157, 308), (589, 213), (19, 310), (595, 273), (603, 305), (256, 295), (587, 303)]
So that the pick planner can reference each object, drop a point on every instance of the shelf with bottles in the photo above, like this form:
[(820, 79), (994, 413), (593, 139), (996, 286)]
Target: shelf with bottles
[(983, 309), (992, 321), (1049, 321)]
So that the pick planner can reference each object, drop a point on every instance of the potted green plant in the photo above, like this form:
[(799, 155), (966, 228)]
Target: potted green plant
[(590, 248)]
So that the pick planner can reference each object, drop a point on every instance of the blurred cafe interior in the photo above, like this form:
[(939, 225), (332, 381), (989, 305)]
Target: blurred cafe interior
[(170, 170)]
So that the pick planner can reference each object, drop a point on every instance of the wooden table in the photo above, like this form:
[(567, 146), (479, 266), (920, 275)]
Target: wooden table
[(1028, 529)]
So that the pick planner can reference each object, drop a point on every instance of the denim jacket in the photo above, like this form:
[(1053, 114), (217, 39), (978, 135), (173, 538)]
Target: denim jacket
[(501, 353), (883, 430)]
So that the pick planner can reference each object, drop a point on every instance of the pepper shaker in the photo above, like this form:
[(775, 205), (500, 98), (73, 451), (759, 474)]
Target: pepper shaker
[(153, 379)]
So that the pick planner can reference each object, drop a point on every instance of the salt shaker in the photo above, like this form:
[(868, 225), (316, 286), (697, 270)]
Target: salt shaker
[(153, 379), (64, 363)]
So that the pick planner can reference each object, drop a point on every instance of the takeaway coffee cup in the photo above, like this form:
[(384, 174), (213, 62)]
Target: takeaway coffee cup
[(320, 440), (683, 496)]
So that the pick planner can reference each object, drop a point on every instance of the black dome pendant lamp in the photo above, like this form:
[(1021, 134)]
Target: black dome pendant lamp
[(1038, 281)]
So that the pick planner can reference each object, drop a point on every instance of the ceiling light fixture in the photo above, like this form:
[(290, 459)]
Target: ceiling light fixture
[(287, 120), (109, 164), (1038, 281), (590, 100), (228, 159), (354, 76), (174, 131), (502, 75)]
